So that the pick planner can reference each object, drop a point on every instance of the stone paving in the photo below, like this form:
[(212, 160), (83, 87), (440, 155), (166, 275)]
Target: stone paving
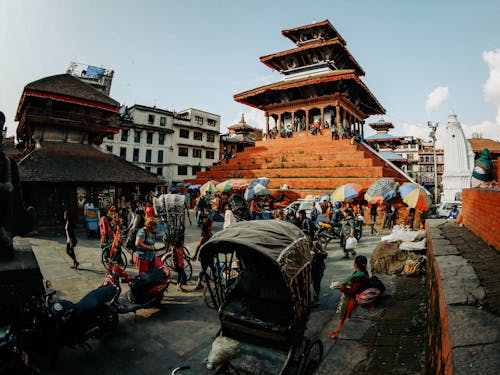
[(181, 331)]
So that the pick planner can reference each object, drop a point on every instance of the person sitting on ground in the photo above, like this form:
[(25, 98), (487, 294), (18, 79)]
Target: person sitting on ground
[(357, 282), (410, 219), (144, 255), (453, 213)]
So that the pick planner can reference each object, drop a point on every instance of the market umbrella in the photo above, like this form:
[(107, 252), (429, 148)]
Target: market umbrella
[(261, 180), (415, 196), (381, 191), (346, 192), (208, 187), (225, 186), (258, 190)]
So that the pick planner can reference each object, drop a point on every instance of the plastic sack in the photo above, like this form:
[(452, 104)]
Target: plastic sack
[(368, 297), (351, 243), (223, 349)]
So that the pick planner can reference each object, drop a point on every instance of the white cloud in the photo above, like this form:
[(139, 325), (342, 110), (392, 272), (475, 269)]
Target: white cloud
[(492, 85), (436, 98), (488, 129)]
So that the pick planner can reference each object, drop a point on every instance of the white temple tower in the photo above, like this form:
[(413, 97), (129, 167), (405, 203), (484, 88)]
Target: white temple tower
[(458, 160)]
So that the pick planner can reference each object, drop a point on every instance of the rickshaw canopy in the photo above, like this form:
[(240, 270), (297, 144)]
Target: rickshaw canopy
[(280, 244)]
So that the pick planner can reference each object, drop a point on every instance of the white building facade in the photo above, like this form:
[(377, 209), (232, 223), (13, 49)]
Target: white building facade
[(458, 160), (173, 146)]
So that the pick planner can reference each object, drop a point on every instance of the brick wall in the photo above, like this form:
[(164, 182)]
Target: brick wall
[(481, 214)]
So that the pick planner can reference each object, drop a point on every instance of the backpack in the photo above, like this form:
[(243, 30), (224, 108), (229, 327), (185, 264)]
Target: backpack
[(376, 283)]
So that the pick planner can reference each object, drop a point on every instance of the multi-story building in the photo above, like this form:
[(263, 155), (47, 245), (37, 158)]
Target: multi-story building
[(173, 145), (426, 175), (408, 149)]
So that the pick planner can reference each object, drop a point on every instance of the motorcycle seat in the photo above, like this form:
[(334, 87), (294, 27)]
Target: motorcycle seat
[(149, 278), (325, 225), (96, 298)]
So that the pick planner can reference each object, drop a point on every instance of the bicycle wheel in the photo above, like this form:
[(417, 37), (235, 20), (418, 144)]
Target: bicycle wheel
[(188, 268), (118, 257)]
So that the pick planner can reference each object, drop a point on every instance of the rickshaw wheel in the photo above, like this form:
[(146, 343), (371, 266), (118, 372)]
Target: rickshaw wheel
[(313, 354)]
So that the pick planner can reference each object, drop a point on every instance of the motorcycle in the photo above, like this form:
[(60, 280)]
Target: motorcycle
[(326, 232), (146, 289), (44, 324)]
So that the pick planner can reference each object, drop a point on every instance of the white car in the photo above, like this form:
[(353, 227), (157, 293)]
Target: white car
[(444, 208), (302, 204)]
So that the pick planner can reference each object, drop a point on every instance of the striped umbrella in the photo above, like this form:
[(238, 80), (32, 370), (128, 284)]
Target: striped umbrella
[(381, 191), (225, 186), (415, 196), (346, 192), (208, 187)]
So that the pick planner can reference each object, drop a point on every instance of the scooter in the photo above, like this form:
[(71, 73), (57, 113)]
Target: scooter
[(325, 232), (44, 324), (146, 289)]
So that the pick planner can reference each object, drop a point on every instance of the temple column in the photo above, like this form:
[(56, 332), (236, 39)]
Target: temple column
[(279, 122), (363, 129), (322, 117), (307, 119), (293, 120), (267, 125), (337, 118)]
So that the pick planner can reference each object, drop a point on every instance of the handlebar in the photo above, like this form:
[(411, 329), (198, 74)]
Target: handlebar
[(177, 369)]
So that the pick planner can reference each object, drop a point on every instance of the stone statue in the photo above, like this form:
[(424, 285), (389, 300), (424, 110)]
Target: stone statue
[(482, 174), (14, 218)]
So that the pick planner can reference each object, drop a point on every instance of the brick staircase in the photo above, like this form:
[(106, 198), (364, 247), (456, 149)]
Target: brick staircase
[(307, 164)]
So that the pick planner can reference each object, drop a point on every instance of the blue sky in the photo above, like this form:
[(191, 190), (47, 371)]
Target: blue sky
[(181, 54)]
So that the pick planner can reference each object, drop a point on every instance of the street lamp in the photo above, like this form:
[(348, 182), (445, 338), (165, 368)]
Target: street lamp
[(432, 134)]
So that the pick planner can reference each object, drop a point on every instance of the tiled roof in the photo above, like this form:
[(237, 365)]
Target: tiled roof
[(67, 85), (391, 156), (63, 162), (478, 144), (379, 136)]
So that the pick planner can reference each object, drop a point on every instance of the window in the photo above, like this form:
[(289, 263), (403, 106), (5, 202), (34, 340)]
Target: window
[(149, 139), (160, 156), (148, 156), (124, 135), (210, 138), (137, 136), (135, 156), (183, 151), (163, 122), (209, 155), (161, 139), (109, 149), (198, 136), (198, 120), (196, 153), (409, 156), (183, 133), (123, 153), (182, 170), (195, 170), (111, 136), (151, 119), (159, 171), (211, 122)]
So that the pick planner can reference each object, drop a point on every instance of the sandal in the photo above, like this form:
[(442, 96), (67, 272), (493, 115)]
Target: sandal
[(333, 335)]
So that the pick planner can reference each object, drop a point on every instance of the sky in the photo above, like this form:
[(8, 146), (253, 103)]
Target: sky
[(422, 58)]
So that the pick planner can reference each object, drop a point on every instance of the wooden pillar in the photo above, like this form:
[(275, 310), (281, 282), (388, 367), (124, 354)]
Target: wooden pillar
[(267, 125), (279, 122), (322, 117), (293, 120), (337, 118), (363, 129), (307, 119)]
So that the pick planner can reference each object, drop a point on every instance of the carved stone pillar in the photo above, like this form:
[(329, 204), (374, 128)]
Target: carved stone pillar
[(307, 119), (322, 117), (267, 124)]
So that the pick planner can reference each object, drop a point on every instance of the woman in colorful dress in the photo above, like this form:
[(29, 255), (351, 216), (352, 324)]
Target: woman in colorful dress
[(144, 256)]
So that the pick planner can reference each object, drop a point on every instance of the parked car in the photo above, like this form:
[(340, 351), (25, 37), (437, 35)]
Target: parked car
[(444, 208)]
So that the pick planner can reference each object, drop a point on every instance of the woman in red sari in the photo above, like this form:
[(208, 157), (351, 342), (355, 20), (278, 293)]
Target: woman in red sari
[(357, 282)]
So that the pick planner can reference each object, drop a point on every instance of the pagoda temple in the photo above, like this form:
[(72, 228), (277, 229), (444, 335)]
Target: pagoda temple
[(321, 84)]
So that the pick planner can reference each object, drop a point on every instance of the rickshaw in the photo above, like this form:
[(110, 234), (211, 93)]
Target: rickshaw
[(92, 221), (239, 207), (266, 306)]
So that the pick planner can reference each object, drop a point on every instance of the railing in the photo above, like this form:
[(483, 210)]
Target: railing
[(391, 164)]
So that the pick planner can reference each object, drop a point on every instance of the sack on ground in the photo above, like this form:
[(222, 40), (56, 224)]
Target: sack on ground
[(223, 349), (351, 243), (368, 297), (412, 267)]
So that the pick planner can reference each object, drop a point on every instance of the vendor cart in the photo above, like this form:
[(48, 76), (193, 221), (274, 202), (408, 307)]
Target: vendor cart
[(266, 306)]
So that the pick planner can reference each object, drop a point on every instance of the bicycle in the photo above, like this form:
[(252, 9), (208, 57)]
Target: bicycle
[(166, 259), (115, 251)]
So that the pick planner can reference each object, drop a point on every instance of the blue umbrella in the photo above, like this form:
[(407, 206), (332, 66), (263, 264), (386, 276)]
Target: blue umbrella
[(381, 191), (264, 181)]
